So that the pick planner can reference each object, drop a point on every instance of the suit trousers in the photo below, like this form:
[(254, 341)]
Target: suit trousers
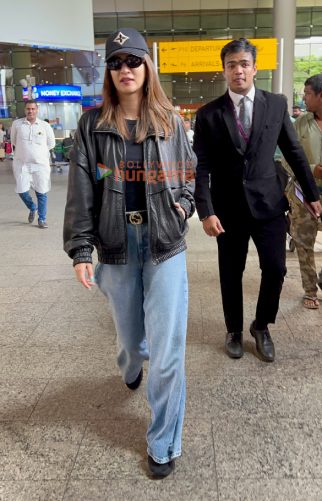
[(269, 237)]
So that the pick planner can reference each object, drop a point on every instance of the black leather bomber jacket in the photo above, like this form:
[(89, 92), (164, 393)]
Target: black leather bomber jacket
[(95, 208)]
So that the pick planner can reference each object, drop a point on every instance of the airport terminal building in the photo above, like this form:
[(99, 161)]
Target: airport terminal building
[(162, 21)]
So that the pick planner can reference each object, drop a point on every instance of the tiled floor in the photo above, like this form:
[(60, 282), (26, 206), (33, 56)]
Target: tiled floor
[(69, 428)]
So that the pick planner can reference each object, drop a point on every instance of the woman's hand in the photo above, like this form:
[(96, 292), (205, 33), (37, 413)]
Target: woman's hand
[(180, 210), (85, 275)]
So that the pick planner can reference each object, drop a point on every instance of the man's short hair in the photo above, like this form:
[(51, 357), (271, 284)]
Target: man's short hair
[(315, 82), (31, 101), (238, 46)]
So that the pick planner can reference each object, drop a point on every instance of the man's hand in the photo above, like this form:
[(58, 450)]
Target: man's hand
[(212, 226), (317, 172), (84, 274), (317, 207)]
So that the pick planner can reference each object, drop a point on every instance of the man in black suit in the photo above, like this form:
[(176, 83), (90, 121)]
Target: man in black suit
[(239, 193)]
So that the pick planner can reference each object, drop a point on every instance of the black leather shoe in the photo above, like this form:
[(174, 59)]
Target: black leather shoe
[(136, 383), (264, 343), (160, 470), (234, 344)]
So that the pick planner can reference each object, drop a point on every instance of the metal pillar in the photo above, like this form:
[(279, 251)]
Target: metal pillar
[(284, 22)]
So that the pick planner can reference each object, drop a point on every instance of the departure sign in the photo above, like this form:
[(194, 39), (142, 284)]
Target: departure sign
[(204, 55)]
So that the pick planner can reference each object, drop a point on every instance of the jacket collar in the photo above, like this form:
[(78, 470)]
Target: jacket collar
[(113, 130), (229, 118), (258, 119)]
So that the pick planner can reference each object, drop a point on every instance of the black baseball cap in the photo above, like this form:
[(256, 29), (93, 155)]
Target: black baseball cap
[(125, 40)]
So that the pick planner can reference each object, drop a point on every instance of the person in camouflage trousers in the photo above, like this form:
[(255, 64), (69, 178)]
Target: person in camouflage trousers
[(304, 227)]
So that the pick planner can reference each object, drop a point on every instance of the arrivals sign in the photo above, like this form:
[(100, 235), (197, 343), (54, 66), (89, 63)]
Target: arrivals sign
[(204, 55), (54, 93)]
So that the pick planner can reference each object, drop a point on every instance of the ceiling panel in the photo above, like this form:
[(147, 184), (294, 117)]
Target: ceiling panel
[(106, 6)]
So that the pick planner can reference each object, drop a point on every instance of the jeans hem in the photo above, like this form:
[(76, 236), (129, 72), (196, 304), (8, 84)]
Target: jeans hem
[(164, 460)]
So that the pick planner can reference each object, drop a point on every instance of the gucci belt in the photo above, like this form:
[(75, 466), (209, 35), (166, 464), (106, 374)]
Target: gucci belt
[(136, 217)]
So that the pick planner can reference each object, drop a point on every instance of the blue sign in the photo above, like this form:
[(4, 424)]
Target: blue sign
[(54, 93), (4, 112), (92, 101)]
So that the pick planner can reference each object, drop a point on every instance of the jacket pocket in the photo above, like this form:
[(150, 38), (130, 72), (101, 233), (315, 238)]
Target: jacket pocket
[(167, 225), (111, 228)]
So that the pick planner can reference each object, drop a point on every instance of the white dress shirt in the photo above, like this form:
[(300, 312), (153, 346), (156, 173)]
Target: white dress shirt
[(249, 102), (31, 165), (190, 134)]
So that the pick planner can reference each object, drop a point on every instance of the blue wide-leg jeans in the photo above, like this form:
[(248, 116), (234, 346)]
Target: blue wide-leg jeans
[(150, 306)]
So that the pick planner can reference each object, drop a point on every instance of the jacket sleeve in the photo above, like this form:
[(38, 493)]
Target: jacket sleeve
[(79, 221), (187, 200), (296, 158), (202, 194)]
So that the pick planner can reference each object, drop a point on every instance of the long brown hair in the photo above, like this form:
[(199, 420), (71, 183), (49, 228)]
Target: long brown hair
[(157, 113)]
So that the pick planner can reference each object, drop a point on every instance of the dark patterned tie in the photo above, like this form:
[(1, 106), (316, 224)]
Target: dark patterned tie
[(244, 115)]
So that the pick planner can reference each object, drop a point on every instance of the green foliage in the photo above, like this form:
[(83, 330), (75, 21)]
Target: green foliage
[(310, 65)]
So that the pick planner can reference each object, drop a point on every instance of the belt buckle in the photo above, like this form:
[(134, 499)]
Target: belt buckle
[(135, 218)]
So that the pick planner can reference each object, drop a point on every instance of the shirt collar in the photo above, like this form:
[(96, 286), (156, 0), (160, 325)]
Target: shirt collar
[(237, 97), (25, 121)]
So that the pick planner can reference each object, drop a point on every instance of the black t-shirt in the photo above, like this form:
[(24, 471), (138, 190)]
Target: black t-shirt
[(135, 197)]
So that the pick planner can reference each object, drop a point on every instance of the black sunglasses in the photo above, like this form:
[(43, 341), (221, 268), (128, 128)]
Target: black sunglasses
[(115, 63)]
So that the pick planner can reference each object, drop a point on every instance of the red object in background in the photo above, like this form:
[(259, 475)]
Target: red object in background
[(8, 148)]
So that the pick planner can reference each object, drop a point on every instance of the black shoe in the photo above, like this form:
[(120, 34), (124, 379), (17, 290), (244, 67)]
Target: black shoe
[(160, 470), (234, 344), (31, 216), (264, 343), (137, 382)]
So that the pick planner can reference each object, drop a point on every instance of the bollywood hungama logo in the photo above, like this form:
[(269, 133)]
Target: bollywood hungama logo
[(102, 171)]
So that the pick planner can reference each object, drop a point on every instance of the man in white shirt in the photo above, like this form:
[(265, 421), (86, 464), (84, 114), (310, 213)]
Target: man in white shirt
[(189, 131), (2, 136), (33, 139)]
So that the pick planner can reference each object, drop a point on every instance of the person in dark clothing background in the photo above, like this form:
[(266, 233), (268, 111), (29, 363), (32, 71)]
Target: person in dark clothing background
[(235, 140)]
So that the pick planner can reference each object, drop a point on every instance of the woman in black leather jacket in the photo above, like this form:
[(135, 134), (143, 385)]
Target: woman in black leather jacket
[(130, 193)]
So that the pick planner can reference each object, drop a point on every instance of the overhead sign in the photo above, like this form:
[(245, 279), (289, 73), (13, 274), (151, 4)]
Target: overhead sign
[(69, 93), (204, 55)]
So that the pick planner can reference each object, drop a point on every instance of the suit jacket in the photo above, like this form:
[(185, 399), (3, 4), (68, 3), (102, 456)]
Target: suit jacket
[(239, 176)]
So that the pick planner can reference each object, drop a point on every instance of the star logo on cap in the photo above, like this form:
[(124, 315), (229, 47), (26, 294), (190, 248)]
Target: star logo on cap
[(120, 38)]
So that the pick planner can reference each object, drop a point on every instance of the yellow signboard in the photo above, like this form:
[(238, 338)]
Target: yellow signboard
[(204, 55)]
